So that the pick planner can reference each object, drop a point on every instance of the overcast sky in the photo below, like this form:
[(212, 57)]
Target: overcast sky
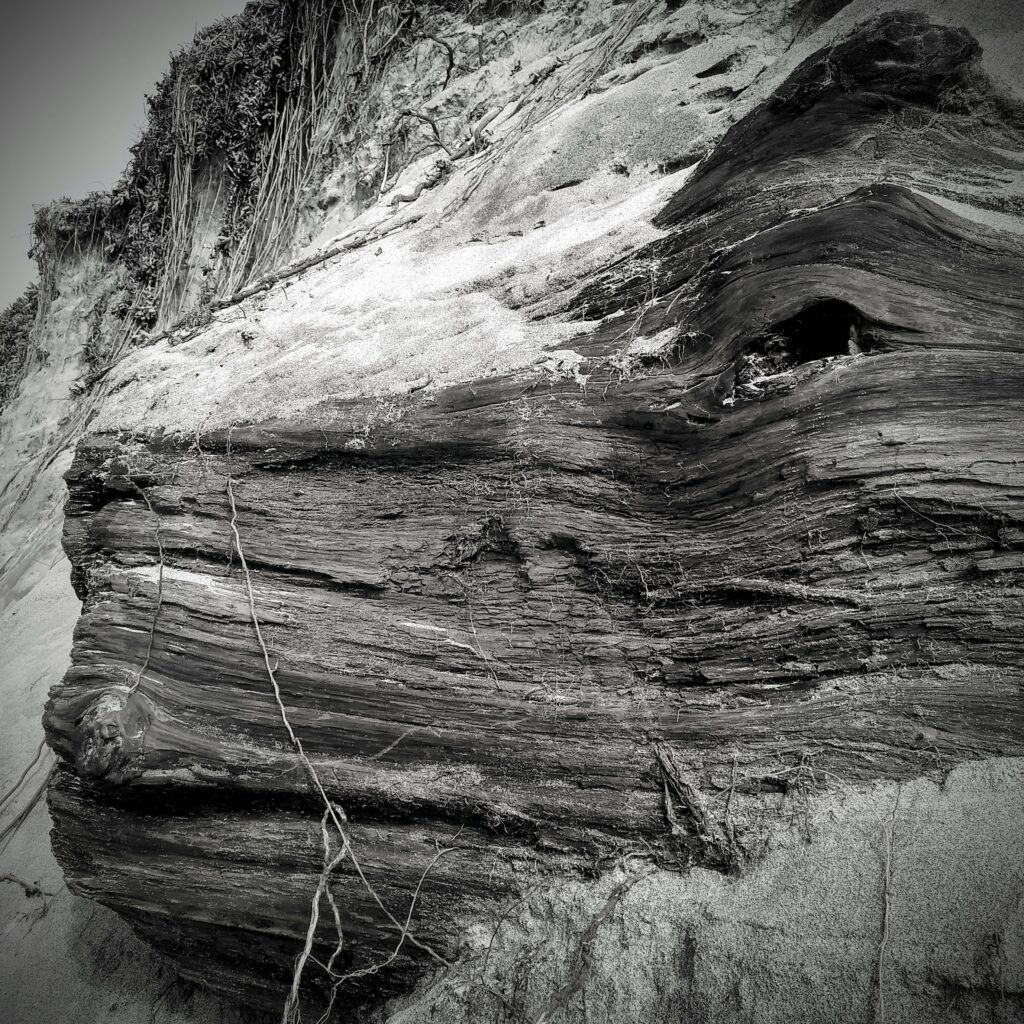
[(73, 76)]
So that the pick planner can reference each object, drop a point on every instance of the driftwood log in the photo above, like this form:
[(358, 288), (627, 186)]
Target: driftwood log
[(772, 522)]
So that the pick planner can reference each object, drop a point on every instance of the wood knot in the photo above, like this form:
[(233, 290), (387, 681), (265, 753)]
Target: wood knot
[(109, 737)]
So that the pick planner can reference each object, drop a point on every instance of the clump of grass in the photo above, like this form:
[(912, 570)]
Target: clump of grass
[(240, 131), (213, 111), (224, 114)]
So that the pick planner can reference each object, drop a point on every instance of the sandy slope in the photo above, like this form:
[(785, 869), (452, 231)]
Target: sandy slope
[(63, 959)]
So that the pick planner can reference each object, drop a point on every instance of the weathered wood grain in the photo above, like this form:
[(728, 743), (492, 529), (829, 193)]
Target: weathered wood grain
[(789, 538)]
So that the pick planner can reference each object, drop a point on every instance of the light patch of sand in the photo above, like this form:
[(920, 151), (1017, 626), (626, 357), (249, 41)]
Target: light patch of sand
[(935, 868), (33, 456), (990, 218), (375, 322)]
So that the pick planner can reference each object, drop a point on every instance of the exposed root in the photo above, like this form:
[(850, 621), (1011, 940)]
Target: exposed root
[(337, 817), (940, 527), (291, 1006), (395, 742), (9, 794), (449, 53), (380, 965), (717, 840), (431, 123), (19, 819), (31, 890)]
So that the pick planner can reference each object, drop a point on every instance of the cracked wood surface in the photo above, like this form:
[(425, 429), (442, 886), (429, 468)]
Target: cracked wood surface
[(494, 610)]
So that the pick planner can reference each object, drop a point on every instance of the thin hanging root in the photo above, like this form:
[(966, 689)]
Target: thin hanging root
[(291, 1006), (19, 819), (328, 868), (29, 888), (336, 814), (374, 968)]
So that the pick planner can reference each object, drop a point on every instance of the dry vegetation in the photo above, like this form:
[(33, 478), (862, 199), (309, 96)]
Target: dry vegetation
[(241, 132), (16, 324)]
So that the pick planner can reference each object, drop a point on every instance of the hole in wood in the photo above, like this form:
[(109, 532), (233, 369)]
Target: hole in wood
[(827, 328), (823, 330)]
